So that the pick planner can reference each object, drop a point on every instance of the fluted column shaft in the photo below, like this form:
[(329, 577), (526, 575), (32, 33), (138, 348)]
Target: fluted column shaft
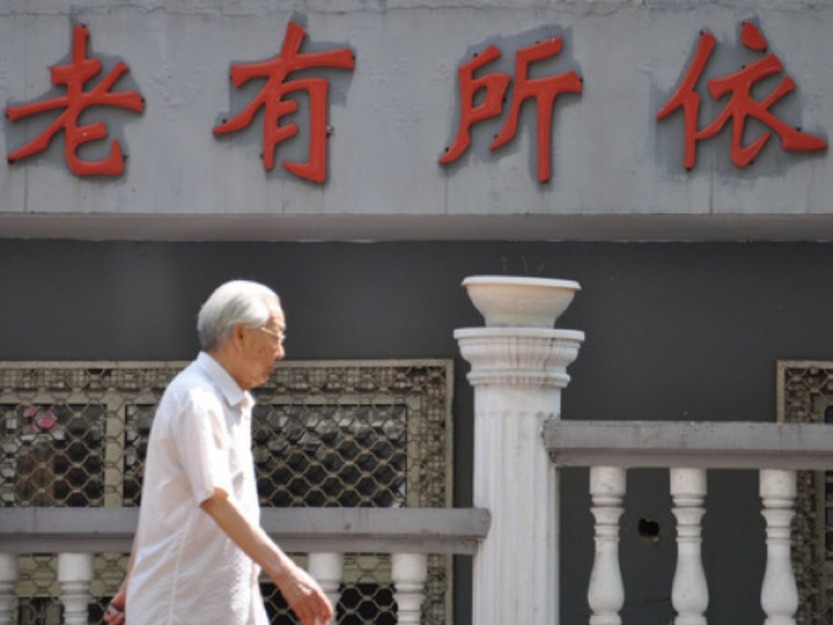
[(517, 375)]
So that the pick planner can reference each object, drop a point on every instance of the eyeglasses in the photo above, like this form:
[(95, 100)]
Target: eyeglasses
[(280, 335)]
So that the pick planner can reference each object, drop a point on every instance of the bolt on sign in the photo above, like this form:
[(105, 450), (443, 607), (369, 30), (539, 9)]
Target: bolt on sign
[(482, 96)]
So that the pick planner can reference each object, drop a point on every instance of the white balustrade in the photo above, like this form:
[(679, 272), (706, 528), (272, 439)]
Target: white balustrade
[(409, 573), (606, 593), (75, 574), (689, 590), (688, 450), (8, 579), (779, 595), (406, 534)]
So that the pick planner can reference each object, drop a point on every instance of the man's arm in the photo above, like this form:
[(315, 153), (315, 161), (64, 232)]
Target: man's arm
[(301, 591)]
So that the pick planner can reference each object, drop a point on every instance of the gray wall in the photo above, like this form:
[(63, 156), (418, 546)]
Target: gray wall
[(395, 113), (674, 331)]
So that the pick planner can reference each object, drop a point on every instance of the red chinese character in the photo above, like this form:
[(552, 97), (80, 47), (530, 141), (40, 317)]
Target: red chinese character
[(271, 99), (73, 77), (543, 90), (741, 104)]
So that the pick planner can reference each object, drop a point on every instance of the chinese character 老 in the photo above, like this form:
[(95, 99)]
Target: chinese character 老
[(74, 77)]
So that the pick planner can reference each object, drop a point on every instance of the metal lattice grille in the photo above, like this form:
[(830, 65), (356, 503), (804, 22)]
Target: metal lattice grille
[(371, 434), (805, 395)]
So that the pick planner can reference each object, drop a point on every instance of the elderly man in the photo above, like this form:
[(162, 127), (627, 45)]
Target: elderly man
[(199, 547)]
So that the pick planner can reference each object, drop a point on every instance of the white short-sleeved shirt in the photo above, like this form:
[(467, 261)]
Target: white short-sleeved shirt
[(186, 570)]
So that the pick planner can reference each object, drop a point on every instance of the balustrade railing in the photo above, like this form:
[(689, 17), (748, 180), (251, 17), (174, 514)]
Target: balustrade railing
[(408, 535), (688, 451)]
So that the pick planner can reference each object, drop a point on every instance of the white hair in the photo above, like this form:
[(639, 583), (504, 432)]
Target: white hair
[(238, 301)]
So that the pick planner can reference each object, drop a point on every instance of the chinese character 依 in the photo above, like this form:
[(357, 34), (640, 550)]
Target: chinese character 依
[(272, 100), (495, 85), (741, 104), (73, 77)]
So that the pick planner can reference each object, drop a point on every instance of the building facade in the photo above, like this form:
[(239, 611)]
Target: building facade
[(363, 158)]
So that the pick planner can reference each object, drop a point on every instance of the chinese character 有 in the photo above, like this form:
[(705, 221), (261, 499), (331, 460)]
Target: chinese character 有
[(272, 100)]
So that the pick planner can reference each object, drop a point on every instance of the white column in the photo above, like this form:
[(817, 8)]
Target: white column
[(328, 571), (517, 375), (8, 579), (690, 592), (606, 592), (779, 595), (75, 573), (409, 573)]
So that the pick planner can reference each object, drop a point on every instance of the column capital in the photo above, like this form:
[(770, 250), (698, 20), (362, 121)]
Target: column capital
[(519, 356)]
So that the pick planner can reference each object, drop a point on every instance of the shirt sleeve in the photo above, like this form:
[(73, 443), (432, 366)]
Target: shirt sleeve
[(201, 434)]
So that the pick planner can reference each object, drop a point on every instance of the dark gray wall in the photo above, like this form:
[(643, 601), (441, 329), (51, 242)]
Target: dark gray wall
[(674, 331)]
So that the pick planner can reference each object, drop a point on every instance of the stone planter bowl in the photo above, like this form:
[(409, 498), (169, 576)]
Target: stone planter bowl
[(510, 301)]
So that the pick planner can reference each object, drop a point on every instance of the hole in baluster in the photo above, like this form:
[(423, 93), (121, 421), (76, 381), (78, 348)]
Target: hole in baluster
[(648, 530)]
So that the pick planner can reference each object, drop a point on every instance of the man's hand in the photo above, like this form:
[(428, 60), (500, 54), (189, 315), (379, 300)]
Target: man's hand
[(304, 596), (301, 591), (114, 614)]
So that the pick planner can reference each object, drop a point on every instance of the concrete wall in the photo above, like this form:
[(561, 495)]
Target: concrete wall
[(674, 331), (613, 164)]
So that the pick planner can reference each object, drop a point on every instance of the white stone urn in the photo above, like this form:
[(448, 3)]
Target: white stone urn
[(514, 301)]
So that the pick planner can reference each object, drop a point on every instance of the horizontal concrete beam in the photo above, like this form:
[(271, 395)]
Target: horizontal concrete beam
[(430, 227), (707, 445), (334, 530)]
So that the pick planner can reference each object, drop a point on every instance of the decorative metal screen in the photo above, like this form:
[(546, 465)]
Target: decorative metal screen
[(349, 434), (805, 395)]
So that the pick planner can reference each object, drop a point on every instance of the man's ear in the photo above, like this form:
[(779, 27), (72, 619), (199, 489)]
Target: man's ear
[(238, 334)]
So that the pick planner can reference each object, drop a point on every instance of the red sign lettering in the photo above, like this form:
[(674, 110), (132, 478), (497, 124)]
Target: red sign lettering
[(741, 104), (544, 90), (271, 99), (73, 77)]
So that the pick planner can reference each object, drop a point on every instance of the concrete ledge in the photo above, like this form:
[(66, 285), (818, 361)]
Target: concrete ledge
[(372, 530), (430, 227), (707, 445)]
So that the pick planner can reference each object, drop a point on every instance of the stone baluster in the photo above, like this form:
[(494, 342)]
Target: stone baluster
[(8, 579), (690, 593), (409, 573), (75, 574), (328, 571), (606, 593), (779, 595)]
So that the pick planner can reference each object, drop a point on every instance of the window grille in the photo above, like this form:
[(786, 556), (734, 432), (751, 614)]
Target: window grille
[(805, 395), (350, 434)]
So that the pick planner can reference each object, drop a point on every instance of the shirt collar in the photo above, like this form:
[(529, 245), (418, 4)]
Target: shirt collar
[(231, 391)]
